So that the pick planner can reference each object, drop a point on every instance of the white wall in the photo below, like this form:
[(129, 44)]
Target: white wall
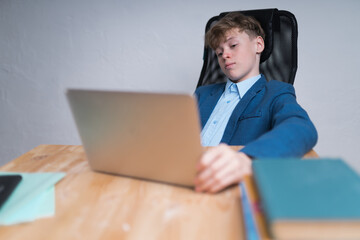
[(47, 46)]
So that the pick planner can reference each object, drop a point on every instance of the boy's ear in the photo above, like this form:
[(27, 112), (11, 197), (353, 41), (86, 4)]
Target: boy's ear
[(260, 45)]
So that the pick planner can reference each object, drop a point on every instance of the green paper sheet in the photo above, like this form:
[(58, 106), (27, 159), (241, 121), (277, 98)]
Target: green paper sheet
[(33, 198)]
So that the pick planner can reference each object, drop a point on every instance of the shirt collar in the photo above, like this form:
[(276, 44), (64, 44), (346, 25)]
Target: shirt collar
[(243, 86)]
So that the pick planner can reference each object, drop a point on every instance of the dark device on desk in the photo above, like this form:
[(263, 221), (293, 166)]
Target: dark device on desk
[(8, 184)]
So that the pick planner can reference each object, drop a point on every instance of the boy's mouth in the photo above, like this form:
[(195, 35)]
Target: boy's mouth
[(229, 65)]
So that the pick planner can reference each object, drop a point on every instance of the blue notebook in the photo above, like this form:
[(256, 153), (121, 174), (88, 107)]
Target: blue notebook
[(251, 230), (309, 199)]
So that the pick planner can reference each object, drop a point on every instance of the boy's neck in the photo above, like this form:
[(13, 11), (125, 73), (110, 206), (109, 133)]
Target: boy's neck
[(243, 80), (247, 77)]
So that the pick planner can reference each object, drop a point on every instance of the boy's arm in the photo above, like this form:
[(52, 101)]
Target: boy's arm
[(292, 134)]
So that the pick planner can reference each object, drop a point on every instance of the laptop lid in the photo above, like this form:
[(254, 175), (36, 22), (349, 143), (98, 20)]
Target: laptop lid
[(151, 136)]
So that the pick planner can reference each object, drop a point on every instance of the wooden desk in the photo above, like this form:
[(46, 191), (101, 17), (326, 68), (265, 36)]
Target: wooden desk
[(92, 205)]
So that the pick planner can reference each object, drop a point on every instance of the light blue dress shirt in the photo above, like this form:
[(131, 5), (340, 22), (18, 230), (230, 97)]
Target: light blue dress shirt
[(213, 131)]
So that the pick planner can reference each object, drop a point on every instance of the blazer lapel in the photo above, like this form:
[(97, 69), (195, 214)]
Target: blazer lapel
[(210, 103), (240, 107)]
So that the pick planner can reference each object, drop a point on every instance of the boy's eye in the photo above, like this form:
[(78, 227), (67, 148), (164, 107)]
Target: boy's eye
[(233, 45), (219, 54)]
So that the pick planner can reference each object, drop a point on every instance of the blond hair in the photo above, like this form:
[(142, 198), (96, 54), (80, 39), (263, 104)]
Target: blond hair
[(233, 20)]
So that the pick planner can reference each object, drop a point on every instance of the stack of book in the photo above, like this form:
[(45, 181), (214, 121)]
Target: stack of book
[(301, 199)]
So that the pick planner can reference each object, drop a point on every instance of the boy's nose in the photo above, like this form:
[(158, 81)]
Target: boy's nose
[(226, 54)]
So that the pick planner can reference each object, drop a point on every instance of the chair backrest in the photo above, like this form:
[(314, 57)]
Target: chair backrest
[(279, 58)]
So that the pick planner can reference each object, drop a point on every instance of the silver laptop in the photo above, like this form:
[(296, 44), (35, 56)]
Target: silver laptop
[(144, 135)]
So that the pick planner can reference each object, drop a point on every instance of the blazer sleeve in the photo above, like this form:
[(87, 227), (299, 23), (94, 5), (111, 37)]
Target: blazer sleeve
[(292, 133)]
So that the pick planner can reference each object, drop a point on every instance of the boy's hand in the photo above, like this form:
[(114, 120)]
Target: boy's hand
[(220, 167)]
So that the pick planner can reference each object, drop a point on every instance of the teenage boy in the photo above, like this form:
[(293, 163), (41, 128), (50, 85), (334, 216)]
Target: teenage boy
[(246, 110)]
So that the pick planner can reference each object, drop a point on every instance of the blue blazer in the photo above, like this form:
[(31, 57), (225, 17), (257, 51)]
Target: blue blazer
[(267, 121)]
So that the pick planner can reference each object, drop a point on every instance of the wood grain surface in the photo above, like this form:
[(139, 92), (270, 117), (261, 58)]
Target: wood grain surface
[(91, 205)]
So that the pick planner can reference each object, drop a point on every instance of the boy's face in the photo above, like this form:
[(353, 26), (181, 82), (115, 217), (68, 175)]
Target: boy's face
[(239, 55)]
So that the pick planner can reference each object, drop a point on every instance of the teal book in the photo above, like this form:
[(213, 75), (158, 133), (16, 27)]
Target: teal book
[(309, 199)]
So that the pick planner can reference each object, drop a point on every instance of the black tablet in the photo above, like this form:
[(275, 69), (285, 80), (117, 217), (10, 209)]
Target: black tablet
[(8, 183)]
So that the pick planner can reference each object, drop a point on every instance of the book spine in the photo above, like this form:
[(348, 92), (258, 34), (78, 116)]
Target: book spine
[(249, 218)]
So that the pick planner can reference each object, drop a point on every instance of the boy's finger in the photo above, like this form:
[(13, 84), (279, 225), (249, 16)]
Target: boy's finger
[(209, 157)]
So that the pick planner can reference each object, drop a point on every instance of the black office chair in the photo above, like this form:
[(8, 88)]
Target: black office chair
[(279, 58)]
